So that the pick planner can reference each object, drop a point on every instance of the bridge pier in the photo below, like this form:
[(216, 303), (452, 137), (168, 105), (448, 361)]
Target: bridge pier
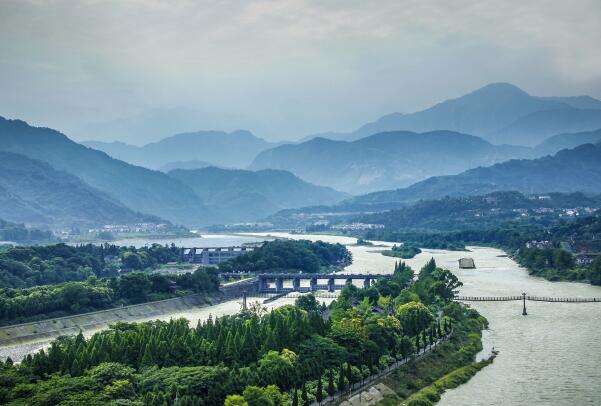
[(296, 284), (366, 283), (313, 284), (349, 281), (279, 284), (331, 284), (524, 313)]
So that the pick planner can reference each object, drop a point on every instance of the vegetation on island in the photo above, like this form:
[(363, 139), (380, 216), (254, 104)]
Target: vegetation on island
[(290, 256), (404, 251), (293, 355)]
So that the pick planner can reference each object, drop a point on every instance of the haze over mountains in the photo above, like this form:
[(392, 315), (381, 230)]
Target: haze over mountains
[(76, 171), (238, 195), (570, 170), (396, 166), (501, 113), (33, 192), (384, 160), (235, 150)]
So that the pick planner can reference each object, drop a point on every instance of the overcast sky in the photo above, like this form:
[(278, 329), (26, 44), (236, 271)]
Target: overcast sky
[(282, 68)]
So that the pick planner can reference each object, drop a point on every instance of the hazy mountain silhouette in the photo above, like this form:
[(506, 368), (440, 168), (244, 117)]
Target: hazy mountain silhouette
[(500, 113), (570, 170), (145, 190), (384, 160), (236, 149), (34, 193), (239, 195)]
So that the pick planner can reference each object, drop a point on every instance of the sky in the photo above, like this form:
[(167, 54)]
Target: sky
[(138, 70)]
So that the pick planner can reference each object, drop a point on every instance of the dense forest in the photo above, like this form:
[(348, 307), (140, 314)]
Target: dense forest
[(290, 356), (290, 256), (27, 266)]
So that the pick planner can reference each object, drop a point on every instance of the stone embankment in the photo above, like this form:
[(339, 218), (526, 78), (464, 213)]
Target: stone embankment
[(51, 328)]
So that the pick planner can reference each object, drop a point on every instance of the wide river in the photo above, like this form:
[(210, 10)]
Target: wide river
[(550, 357)]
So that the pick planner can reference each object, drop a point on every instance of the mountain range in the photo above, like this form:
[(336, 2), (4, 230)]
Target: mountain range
[(235, 150), (33, 192), (570, 170), (239, 195), (385, 160), (501, 113), (75, 182)]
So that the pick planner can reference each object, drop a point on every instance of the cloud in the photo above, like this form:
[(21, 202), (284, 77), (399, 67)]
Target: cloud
[(296, 66)]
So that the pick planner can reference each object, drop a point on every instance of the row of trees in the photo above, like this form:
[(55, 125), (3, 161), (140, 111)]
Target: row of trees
[(289, 356)]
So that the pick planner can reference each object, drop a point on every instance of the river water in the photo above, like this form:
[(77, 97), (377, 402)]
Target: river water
[(550, 357)]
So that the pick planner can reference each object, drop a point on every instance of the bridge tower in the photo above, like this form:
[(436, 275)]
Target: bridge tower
[(524, 313)]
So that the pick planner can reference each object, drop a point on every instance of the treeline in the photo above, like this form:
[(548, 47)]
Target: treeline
[(27, 266), (293, 355), (557, 264), (20, 234), (41, 302), (290, 256)]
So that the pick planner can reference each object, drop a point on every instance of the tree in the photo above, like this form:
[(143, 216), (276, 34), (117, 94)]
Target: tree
[(305, 396), (235, 400), (341, 382), (319, 393), (308, 303), (331, 389), (295, 398)]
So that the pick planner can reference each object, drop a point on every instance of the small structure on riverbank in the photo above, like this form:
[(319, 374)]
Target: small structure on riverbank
[(467, 263)]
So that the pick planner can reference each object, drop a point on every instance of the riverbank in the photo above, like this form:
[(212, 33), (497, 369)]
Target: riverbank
[(455, 356)]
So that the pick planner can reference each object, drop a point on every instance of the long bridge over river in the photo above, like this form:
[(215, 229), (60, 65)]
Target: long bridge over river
[(524, 297)]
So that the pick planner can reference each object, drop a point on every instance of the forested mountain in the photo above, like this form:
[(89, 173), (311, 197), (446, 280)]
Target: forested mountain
[(236, 149), (384, 160), (571, 170), (239, 195), (500, 113), (33, 192), (145, 190)]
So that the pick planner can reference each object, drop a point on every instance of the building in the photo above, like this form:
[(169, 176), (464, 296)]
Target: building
[(585, 259), (467, 263), (213, 255)]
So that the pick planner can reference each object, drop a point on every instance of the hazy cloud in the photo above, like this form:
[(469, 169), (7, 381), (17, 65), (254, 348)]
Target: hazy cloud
[(286, 67)]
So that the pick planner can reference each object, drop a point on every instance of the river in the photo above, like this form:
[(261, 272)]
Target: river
[(550, 357)]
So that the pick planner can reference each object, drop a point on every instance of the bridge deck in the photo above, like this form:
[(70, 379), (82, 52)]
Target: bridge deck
[(531, 298)]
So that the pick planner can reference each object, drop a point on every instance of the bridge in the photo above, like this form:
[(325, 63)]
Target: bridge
[(524, 297), (292, 282)]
